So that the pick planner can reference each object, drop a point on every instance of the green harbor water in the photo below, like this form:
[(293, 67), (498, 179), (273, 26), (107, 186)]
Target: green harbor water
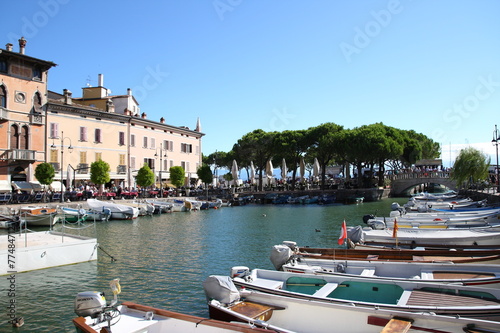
[(162, 260)]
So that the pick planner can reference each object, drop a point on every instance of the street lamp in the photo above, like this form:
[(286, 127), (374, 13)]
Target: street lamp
[(70, 148), (162, 154), (495, 143)]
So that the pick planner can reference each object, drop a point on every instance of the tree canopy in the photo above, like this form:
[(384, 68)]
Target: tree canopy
[(471, 166), (177, 176), (45, 173), (99, 173), (145, 176)]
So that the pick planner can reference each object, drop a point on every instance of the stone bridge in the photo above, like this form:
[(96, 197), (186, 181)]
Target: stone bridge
[(403, 181)]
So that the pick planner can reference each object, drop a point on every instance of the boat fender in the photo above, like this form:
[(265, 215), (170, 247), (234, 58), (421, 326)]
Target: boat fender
[(438, 219), (341, 268)]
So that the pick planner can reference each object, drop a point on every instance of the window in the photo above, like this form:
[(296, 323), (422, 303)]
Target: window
[(132, 162), (37, 73), (132, 140), (145, 142), (121, 138), (183, 165), (168, 145), (153, 143), (197, 150), (165, 164), (186, 148), (53, 155), (37, 102), (83, 157), (122, 159), (98, 156), (171, 163), (14, 137), (83, 134), (3, 66), (150, 162), (3, 97), (23, 139), (54, 130), (97, 136)]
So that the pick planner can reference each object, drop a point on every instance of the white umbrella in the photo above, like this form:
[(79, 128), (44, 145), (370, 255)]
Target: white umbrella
[(234, 172), (269, 169), (283, 170), (252, 172), (302, 169), (316, 169), (69, 176)]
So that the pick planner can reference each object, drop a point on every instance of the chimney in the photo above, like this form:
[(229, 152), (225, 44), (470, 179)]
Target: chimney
[(162, 120), (100, 80), (144, 115), (129, 91), (8, 47), (22, 45), (110, 107), (67, 97)]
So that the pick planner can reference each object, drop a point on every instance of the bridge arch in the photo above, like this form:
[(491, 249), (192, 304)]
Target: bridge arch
[(403, 181)]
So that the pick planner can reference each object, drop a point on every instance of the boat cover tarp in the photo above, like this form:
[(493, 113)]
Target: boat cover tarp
[(22, 186), (280, 255), (5, 186), (221, 288), (356, 234), (56, 187), (37, 187)]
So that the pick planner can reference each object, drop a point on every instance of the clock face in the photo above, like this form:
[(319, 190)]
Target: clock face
[(20, 97)]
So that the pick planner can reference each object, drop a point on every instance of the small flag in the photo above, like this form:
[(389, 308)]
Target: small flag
[(395, 229), (343, 233)]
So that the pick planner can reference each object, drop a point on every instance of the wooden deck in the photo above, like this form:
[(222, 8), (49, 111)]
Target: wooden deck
[(430, 298)]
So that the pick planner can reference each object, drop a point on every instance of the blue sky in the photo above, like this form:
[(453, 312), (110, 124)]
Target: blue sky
[(239, 65)]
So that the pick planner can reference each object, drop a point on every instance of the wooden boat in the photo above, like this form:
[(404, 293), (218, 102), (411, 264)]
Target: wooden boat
[(94, 316), (38, 216), (441, 299), (487, 236), (289, 314), (118, 211), (280, 254), (464, 274), (73, 214)]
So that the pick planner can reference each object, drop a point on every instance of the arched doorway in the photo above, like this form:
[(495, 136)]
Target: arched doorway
[(19, 174)]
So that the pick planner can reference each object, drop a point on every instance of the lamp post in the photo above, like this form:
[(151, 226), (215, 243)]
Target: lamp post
[(70, 148), (495, 143), (162, 154)]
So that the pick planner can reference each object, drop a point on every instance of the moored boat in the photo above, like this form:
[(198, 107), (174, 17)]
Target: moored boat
[(73, 214), (441, 299), (95, 315), (463, 274), (118, 211), (38, 216), (288, 314)]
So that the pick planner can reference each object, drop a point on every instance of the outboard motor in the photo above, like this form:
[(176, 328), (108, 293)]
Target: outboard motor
[(221, 288), (90, 303), (239, 271), (280, 254), (368, 217)]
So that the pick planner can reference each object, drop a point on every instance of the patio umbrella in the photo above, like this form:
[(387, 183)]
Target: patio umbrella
[(283, 170), (302, 169), (234, 172), (269, 169), (69, 176), (252, 173), (316, 169)]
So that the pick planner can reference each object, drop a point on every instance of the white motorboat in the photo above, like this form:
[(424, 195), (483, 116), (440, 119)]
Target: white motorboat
[(145, 208), (463, 274), (94, 315), (118, 211), (472, 237), (441, 299), (289, 314), (161, 206), (38, 216)]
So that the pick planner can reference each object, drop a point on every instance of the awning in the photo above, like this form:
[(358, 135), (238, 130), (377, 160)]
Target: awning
[(22, 186), (56, 187), (5, 186), (37, 187)]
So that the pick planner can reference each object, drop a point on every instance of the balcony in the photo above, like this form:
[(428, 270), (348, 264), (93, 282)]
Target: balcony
[(36, 119), (122, 169), (21, 155), (83, 168), (55, 165), (4, 114)]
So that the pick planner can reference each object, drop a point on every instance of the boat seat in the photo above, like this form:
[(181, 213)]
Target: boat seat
[(271, 284), (368, 272), (405, 296), (396, 325), (427, 275), (326, 290)]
